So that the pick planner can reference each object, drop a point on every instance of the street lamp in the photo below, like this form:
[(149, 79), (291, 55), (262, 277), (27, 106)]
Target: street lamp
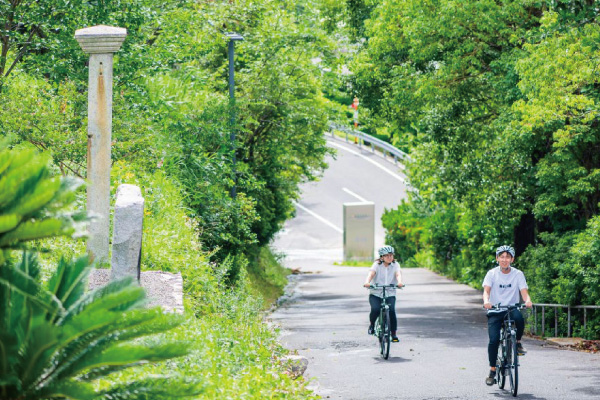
[(232, 37)]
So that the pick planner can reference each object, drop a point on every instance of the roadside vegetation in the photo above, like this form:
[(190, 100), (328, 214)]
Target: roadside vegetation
[(171, 137), (498, 105)]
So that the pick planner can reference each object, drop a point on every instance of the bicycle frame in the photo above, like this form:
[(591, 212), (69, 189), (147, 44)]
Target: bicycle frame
[(382, 325), (507, 363)]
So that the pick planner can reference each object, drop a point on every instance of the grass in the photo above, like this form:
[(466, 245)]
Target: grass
[(234, 354), (230, 359), (267, 276), (354, 263)]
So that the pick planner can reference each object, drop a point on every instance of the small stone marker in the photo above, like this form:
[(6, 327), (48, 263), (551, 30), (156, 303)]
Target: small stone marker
[(127, 232)]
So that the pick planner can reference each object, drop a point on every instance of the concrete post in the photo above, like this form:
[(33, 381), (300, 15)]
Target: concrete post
[(359, 231), (100, 42), (127, 232)]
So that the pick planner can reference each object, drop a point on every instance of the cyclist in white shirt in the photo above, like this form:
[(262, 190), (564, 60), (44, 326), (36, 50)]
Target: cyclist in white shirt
[(384, 271), (503, 285)]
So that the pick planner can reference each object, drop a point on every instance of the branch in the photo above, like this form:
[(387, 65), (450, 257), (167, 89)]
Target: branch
[(21, 52)]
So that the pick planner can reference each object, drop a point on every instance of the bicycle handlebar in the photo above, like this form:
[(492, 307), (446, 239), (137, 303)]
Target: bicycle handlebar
[(386, 286), (517, 306)]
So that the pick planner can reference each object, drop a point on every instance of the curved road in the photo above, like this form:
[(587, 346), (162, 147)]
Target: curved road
[(442, 350)]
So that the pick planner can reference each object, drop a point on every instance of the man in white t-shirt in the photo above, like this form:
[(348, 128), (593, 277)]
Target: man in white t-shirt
[(503, 285)]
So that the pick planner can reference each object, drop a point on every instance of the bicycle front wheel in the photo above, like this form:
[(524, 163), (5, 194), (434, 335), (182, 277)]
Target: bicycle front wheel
[(386, 335), (500, 364), (513, 367)]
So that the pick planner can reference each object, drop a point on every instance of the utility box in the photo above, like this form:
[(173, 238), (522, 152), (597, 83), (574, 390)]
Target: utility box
[(359, 231)]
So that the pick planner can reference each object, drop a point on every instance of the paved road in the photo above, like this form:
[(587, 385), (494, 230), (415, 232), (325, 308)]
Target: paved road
[(354, 175), (442, 349)]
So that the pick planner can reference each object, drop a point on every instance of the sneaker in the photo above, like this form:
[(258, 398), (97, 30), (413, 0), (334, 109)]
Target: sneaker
[(491, 378), (371, 330), (521, 350), (395, 339)]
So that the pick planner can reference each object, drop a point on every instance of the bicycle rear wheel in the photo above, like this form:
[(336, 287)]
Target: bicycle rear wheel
[(386, 335), (513, 366)]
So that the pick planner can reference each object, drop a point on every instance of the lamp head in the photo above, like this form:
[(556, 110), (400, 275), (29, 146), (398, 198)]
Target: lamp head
[(234, 36)]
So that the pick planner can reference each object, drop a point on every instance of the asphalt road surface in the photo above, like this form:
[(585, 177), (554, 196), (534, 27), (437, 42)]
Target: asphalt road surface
[(354, 175), (443, 339)]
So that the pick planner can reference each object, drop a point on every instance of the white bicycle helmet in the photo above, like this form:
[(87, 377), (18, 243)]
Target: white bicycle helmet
[(385, 250), (507, 249)]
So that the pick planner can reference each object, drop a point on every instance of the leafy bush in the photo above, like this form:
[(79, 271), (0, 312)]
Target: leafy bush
[(404, 229)]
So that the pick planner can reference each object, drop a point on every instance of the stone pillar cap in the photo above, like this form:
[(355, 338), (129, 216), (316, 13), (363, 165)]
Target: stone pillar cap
[(100, 39)]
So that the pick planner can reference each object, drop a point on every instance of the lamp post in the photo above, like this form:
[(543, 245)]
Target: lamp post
[(233, 37)]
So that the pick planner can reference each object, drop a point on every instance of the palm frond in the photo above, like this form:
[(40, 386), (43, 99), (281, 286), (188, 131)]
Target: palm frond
[(18, 281), (156, 388), (69, 282), (89, 298), (67, 389)]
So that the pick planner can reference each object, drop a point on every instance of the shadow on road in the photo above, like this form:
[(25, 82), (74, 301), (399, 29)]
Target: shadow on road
[(522, 396), (590, 391), (457, 326), (391, 359)]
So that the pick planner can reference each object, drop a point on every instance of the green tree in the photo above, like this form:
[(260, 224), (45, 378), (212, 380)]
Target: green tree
[(498, 105), (280, 114)]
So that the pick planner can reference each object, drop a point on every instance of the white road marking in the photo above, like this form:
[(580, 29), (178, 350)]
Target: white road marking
[(317, 216), (351, 193), (392, 173)]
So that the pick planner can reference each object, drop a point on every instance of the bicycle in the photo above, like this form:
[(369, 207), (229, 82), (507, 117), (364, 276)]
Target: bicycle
[(382, 328), (507, 363)]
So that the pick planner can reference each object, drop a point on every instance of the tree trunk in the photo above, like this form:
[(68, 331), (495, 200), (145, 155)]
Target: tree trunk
[(524, 233)]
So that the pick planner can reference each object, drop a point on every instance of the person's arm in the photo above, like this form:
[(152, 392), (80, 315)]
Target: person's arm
[(399, 277), (526, 297), (370, 277), (486, 297)]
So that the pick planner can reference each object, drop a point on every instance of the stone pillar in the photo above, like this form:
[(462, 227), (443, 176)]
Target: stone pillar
[(127, 232), (100, 42), (359, 231)]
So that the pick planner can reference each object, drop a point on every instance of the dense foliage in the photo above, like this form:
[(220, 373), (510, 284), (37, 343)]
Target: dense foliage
[(171, 136), (171, 104), (497, 103)]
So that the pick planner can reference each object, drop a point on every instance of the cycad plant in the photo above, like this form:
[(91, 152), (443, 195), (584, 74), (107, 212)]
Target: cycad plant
[(57, 338), (32, 200)]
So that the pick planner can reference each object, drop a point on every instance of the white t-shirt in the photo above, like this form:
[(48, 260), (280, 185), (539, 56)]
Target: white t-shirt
[(384, 276), (505, 287)]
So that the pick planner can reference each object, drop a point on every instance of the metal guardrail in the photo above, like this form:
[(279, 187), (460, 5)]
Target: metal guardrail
[(556, 308), (362, 137)]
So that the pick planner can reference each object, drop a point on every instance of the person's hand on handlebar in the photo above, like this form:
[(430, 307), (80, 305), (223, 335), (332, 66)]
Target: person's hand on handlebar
[(367, 284), (487, 305), (400, 285), (528, 304)]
